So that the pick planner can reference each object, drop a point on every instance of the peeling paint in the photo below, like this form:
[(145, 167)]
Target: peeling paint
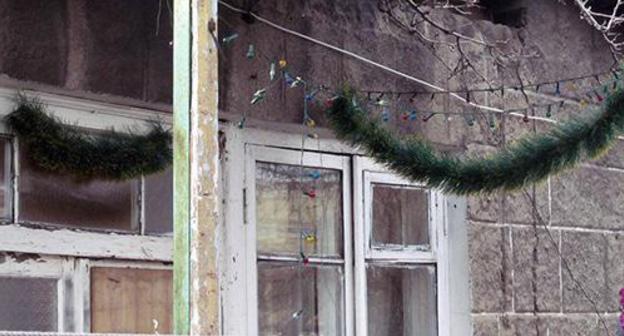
[(23, 257)]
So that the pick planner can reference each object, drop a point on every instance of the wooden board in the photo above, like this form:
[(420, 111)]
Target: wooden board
[(130, 300)]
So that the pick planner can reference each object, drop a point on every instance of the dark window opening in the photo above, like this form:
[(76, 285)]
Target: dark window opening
[(511, 13)]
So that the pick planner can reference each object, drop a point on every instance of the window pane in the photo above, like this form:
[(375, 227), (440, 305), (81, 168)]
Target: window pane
[(297, 299), (286, 217), (128, 300), (400, 215), (62, 200), (159, 202), (28, 304), (5, 178), (401, 301)]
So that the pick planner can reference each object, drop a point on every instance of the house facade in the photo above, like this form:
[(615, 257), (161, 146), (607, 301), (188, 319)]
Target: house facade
[(314, 237)]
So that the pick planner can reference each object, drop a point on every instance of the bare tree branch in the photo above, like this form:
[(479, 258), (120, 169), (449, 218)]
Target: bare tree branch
[(606, 23)]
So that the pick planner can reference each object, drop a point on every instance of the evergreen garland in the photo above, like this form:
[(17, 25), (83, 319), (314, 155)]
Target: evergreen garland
[(64, 149), (530, 160)]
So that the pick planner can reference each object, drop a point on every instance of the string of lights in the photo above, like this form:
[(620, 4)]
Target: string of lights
[(386, 102), (392, 102), (436, 89), (280, 69)]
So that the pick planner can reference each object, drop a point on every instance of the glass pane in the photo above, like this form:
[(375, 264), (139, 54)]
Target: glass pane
[(129, 300), (298, 208), (401, 300), (159, 202), (28, 304), (62, 200), (400, 215), (5, 178), (297, 299)]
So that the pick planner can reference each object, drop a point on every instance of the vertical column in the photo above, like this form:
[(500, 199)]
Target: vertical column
[(196, 154)]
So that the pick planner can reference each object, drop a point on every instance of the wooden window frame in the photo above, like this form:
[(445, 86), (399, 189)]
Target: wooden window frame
[(23, 237), (253, 154), (73, 282), (43, 268), (411, 253), (238, 256), (365, 173)]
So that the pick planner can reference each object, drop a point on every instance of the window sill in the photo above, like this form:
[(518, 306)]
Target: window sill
[(66, 242)]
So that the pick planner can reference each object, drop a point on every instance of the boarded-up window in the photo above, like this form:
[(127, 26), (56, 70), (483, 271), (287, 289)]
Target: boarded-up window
[(63, 200), (127, 300), (159, 203), (28, 304)]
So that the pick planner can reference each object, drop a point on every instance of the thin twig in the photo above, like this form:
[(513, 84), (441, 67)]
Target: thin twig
[(564, 261)]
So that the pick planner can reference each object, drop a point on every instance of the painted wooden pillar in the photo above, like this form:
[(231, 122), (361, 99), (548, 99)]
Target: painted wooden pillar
[(196, 154)]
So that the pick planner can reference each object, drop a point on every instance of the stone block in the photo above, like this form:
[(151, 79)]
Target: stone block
[(486, 207), (586, 255), (490, 268), (484, 326), (614, 270), (613, 324), (515, 325), (614, 157), (520, 208), (536, 270), (572, 325), (588, 197), (34, 43)]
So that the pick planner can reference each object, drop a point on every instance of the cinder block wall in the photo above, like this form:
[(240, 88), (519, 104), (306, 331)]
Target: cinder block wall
[(519, 285)]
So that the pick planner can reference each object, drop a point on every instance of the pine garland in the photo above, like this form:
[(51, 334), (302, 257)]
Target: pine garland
[(60, 148), (530, 160)]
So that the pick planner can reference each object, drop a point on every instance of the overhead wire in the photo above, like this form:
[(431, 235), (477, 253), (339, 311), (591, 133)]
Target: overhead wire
[(386, 68)]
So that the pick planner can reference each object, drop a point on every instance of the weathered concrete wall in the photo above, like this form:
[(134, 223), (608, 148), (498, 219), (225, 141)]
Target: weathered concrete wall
[(519, 286), (111, 47)]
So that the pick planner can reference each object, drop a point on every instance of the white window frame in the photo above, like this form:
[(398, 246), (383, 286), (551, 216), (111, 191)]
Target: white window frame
[(365, 173), (38, 267), (308, 159), (63, 253), (18, 236), (409, 253), (237, 254), (73, 283)]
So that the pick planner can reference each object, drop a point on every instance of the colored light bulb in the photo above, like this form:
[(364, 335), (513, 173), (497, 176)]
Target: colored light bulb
[(272, 71), (251, 51), (258, 96), (315, 175)]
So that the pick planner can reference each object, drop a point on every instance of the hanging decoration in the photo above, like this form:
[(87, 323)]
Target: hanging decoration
[(530, 160), (63, 149), (251, 52), (258, 96), (388, 101), (229, 39), (272, 71)]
